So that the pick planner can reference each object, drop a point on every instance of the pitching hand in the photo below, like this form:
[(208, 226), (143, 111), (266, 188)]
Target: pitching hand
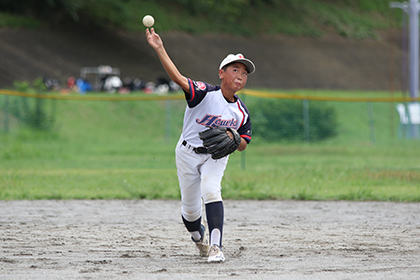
[(153, 39)]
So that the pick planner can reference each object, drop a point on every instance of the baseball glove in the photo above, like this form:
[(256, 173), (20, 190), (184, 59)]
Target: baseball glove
[(218, 142)]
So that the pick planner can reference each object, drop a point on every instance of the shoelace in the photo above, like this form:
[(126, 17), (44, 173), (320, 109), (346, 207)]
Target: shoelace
[(214, 249)]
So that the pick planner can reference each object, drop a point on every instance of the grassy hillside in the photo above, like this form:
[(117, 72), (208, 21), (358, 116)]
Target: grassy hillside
[(103, 149), (357, 19)]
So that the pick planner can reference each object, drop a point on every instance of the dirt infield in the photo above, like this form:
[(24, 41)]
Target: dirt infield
[(143, 239)]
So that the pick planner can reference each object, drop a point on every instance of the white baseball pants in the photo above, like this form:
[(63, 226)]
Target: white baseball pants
[(199, 177)]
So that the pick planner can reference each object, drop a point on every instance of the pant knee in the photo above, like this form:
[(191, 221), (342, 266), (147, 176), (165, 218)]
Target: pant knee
[(210, 197), (191, 214), (211, 189)]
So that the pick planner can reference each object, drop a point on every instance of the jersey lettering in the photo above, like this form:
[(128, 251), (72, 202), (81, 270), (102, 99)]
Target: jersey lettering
[(208, 120), (215, 121)]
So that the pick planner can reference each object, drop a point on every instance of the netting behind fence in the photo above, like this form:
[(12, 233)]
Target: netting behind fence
[(275, 117)]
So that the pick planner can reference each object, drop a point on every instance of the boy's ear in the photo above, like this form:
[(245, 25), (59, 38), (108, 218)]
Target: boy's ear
[(221, 73)]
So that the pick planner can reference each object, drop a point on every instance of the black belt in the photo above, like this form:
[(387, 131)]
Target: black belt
[(198, 150)]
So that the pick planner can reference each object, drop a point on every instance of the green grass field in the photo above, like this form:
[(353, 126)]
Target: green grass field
[(125, 150)]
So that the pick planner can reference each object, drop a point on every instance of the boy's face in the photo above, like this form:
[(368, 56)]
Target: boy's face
[(235, 76)]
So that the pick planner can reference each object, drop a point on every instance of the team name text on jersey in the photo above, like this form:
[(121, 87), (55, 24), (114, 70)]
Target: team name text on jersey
[(215, 121)]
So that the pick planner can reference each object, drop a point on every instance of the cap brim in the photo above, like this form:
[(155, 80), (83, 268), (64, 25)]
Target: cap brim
[(230, 59), (249, 65)]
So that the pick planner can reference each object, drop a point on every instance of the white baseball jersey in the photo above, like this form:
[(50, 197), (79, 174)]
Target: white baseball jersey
[(207, 107)]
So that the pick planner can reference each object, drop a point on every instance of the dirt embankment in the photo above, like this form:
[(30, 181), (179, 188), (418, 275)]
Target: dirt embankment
[(282, 62)]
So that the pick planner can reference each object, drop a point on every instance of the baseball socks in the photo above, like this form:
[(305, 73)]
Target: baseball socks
[(197, 231), (215, 216), (193, 228)]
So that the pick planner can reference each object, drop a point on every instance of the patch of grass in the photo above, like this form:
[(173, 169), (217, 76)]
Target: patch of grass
[(298, 18), (89, 184), (18, 21), (355, 19)]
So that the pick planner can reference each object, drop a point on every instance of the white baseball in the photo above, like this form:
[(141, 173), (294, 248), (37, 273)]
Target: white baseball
[(148, 21)]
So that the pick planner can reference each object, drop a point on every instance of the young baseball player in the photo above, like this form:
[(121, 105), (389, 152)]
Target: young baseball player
[(199, 173)]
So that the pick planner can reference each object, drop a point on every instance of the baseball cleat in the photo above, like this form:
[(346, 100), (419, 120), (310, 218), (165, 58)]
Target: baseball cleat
[(202, 244), (216, 254)]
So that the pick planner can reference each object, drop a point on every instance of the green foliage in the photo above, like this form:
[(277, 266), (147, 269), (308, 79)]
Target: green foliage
[(284, 120), (355, 19), (17, 21), (221, 10), (50, 10), (105, 13), (373, 5), (33, 113)]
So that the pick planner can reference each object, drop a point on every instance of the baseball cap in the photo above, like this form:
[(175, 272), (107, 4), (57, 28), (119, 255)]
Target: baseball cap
[(238, 58)]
